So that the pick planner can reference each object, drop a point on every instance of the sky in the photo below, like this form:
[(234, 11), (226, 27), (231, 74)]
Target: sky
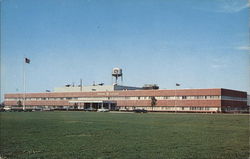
[(198, 44)]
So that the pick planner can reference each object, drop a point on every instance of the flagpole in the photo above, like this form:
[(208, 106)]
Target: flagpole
[(24, 84)]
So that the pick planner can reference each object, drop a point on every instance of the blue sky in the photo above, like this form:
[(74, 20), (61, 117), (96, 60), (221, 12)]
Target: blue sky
[(199, 44)]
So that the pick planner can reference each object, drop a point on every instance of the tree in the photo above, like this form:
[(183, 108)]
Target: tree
[(75, 106), (153, 102), (19, 103), (2, 105)]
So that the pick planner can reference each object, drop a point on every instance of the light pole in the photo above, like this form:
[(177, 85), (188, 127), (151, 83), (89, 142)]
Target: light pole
[(175, 97)]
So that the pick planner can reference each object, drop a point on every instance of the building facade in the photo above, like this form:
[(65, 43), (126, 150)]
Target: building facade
[(180, 100)]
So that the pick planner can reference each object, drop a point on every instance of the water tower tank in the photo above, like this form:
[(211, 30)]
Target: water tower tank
[(117, 72)]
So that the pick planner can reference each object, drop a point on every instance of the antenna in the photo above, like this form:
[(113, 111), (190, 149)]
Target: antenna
[(81, 84)]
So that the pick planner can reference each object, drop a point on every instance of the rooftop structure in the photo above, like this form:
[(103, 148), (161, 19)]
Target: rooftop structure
[(94, 88)]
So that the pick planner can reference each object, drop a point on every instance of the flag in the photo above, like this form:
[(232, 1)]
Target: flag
[(27, 60), (177, 84)]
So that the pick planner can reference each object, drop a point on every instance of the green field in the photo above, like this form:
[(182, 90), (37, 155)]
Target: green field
[(123, 135)]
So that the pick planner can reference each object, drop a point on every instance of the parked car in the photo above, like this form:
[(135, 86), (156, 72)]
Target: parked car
[(90, 109), (103, 110), (123, 110), (140, 111)]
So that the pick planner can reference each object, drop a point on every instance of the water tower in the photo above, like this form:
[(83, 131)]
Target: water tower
[(117, 72)]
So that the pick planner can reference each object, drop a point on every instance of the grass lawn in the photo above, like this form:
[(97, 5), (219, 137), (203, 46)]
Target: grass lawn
[(123, 135)]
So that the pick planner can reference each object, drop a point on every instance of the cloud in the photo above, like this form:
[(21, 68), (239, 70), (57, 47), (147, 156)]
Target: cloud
[(233, 6), (247, 48), (223, 6)]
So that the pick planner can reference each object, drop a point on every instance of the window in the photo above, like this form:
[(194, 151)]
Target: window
[(178, 97)]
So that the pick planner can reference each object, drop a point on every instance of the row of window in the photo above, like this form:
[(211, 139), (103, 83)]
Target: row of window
[(130, 108), (233, 98), (118, 98), (199, 108), (133, 98), (172, 108)]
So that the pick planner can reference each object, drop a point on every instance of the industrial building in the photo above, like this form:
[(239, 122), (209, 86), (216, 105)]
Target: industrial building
[(181, 100), (127, 98)]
